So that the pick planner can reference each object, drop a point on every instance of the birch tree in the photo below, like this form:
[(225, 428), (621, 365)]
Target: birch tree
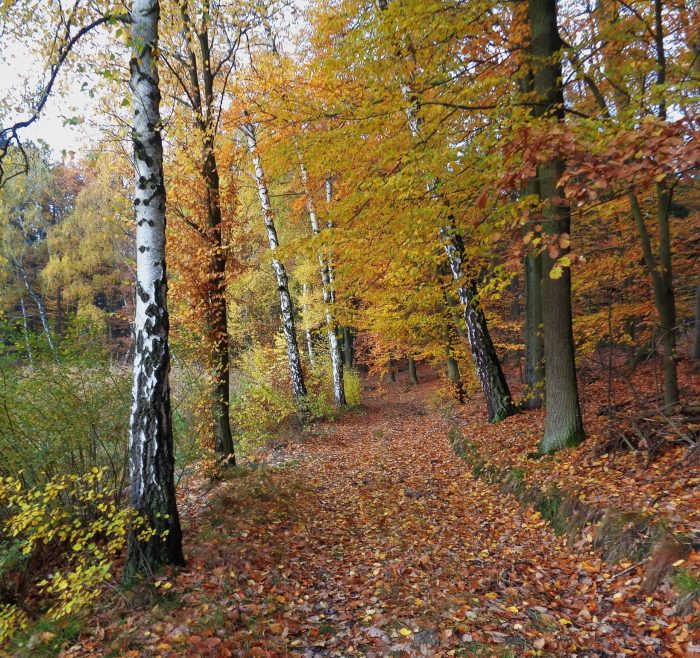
[(327, 291), (151, 441), (296, 373)]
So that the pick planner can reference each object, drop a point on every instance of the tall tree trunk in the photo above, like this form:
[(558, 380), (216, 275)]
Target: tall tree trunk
[(499, 403), (39, 301), (326, 288), (25, 328), (662, 286), (696, 341), (412, 371), (202, 98), (286, 307), (564, 425), (534, 376), (151, 458)]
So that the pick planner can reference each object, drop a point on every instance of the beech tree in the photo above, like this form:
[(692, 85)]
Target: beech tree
[(564, 426), (151, 442)]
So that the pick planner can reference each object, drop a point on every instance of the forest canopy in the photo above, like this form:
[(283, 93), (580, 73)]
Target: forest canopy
[(282, 211)]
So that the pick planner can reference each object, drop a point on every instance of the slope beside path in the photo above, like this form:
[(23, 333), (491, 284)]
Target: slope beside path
[(370, 538)]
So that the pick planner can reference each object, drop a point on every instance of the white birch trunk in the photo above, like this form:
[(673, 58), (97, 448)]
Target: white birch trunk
[(327, 288), (26, 331), (309, 341), (43, 316), (150, 442), (286, 307)]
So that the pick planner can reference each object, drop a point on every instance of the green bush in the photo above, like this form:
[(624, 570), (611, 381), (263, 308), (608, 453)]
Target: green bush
[(262, 407)]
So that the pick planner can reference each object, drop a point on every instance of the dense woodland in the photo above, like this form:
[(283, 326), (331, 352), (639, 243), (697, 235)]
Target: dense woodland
[(362, 327)]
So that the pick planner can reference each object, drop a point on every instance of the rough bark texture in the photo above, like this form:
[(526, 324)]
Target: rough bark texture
[(534, 376), (150, 443), (564, 425), (412, 371), (286, 307), (327, 290)]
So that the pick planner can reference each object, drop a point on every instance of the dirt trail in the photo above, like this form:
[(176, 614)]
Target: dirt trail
[(373, 539)]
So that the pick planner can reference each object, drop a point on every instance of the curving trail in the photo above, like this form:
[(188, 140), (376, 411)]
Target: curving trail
[(370, 538)]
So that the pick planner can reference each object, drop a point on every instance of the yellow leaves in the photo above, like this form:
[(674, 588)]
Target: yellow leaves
[(40, 516), (491, 595), (564, 621), (513, 609), (405, 631)]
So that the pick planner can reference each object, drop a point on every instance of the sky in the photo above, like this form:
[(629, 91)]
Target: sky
[(21, 71)]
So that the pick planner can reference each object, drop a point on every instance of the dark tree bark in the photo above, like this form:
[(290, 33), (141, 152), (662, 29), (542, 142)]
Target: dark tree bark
[(412, 371), (151, 456), (348, 347), (564, 426), (534, 376)]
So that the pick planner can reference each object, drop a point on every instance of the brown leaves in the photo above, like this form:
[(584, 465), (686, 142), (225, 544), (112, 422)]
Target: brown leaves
[(380, 540)]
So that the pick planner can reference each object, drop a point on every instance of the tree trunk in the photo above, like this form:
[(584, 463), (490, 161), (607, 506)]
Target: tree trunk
[(391, 372), (151, 458), (309, 342), (534, 379), (499, 403), (202, 98), (327, 291), (348, 347), (564, 425), (696, 342), (286, 307), (39, 301), (25, 328), (455, 378), (412, 371)]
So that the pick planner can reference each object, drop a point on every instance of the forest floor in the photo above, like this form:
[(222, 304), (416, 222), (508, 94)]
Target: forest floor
[(369, 537)]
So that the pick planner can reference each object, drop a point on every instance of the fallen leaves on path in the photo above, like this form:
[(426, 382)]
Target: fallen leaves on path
[(372, 539)]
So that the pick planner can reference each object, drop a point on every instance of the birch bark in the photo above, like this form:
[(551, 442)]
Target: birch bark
[(327, 289), (286, 306), (150, 444)]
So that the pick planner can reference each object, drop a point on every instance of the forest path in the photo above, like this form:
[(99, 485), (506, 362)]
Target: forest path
[(375, 540)]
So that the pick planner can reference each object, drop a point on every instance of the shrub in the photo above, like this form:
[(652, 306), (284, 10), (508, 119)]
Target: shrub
[(59, 539), (262, 405)]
